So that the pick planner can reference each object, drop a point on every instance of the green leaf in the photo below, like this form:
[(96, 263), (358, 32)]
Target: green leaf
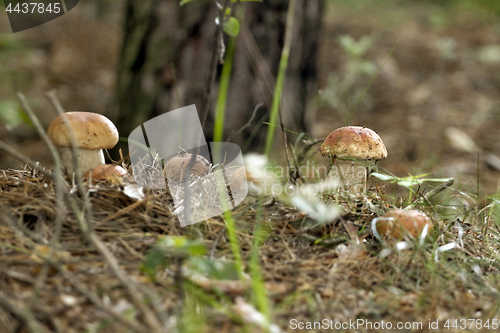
[(154, 259), (217, 269), (409, 182), (183, 2), (439, 180), (12, 46), (181, 245), (196, 249), (232, 27), (247, 0), (381, 176), (11, 114), (176, 242)]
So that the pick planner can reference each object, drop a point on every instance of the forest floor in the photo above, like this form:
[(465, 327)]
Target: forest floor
[(435, 103)]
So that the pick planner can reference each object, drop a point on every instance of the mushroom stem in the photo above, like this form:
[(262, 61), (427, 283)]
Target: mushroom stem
[(87, 159), (351, 173)]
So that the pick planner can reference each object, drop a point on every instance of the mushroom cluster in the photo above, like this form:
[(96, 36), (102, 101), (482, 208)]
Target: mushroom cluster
[(350, 147), (92, 132)]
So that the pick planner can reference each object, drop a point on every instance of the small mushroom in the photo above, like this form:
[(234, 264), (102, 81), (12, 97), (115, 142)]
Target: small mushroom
[(238, 180), (176, 167), (106, 171), (349, 146), (92, 132), (399, 223)]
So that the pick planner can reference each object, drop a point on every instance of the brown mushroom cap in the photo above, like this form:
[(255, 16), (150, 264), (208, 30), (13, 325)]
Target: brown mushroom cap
[(404, 221), (106, 170), (176, 166), (356, 142), (91, 131)]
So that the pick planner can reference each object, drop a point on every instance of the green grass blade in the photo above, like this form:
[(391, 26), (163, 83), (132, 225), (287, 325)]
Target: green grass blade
[(258, 285), (223, 90), (285, 53), (230, 225)]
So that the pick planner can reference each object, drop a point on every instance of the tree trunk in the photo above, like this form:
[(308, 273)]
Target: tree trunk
[(166, 56)]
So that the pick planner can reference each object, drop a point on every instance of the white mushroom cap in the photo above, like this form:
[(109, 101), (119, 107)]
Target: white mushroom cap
[(355, 142), (91, 131)]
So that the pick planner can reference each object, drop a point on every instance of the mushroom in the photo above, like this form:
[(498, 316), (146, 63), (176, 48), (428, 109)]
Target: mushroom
[(176, 167), (92, 132), (106, 171), (399, 223), (348, 147), (238, 180)]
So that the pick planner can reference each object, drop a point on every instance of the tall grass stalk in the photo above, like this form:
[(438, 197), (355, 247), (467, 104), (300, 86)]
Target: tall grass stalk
[(285, 53), (233, 240), (230, 225), (218, 136), (260, 297), (223, 90)]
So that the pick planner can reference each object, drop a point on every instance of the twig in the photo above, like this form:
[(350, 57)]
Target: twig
[(129, 285), (23, 315), (17, 275), (296, 169), (40, 282), (19, 227), (303, 154), (214, 247), (58, 180), (226, 181), (285, 142), (97, 300), (432, 193), (32, 164), (86, 227), (324, 242), (60, 111), (39, 127), (213, 64), (61, 192), (247, 124)]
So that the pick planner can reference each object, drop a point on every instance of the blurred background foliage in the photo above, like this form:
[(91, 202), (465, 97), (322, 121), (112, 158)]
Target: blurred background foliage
[(444, 72), (489, 7)]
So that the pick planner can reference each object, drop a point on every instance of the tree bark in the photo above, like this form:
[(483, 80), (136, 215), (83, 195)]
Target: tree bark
[(166, 54)]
